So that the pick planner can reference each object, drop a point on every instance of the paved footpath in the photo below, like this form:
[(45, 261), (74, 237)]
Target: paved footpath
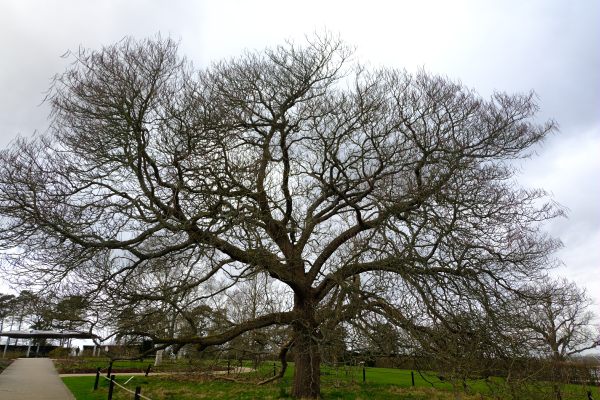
[(32, 379)]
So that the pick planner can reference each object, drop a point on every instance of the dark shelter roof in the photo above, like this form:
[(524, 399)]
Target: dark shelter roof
[(48, 334)]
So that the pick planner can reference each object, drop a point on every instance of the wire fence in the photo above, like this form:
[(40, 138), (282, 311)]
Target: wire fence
[(113, 382)]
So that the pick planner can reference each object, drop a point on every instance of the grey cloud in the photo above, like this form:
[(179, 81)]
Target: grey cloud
[(549, 46)]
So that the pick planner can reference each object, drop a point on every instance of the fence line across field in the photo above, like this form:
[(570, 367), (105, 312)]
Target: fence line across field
[(126, 389)]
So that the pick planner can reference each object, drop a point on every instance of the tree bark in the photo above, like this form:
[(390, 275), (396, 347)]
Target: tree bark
[(307, 373), (557, 373), (307, 358)]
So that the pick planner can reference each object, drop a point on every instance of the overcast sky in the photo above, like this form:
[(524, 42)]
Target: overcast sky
[(552, 47)]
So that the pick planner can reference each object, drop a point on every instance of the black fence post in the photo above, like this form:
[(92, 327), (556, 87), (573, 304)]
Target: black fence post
[(109, 370), (97, 378), (412, 377), (148, 369), (364, 374), (111, 387), (138, 390), (589, 393)]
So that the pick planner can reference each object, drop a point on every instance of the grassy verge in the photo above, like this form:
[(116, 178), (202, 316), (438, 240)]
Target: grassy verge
[(337, 383), (4, 362), (186, 388)]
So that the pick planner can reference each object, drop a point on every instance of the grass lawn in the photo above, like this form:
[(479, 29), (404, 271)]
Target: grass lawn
[(179, 388), (337, 383)]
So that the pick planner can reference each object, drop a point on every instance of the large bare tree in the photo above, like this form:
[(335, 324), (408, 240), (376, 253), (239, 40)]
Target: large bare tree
[(360, 191)]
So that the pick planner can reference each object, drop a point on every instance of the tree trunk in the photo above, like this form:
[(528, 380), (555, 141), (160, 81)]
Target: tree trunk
[(307, 358), (557, 373), (307, 372)]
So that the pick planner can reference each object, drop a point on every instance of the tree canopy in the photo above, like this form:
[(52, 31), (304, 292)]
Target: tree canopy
[(356, 193)]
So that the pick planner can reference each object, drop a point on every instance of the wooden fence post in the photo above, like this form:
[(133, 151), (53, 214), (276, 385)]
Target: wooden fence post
[(111, 387), (97, 378), (109, 372)]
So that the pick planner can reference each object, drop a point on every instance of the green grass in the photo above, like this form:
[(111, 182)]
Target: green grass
[(4, 362), (337, 383), (159, 387)]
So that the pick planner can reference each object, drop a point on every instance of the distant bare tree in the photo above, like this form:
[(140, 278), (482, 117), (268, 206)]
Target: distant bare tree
[(558, 320), (352, 188)]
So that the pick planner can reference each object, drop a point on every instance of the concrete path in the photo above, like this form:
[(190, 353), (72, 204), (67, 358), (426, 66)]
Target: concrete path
[(32, 379)]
